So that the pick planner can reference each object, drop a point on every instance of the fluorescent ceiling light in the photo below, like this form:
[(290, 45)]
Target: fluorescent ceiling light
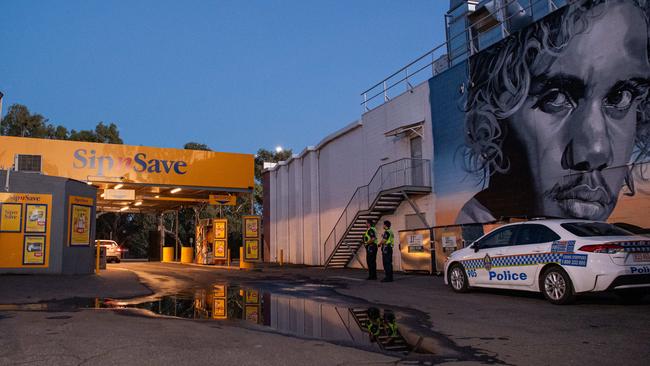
[(124, 208), (89, 183), (175, 190), (118, 186), (138, 203)]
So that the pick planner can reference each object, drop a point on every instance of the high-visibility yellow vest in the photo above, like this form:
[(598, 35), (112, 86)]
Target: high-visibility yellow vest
[(366, 236), (391, 238)]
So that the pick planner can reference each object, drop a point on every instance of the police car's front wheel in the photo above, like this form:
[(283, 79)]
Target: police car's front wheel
[(557, 286), (458, 279)]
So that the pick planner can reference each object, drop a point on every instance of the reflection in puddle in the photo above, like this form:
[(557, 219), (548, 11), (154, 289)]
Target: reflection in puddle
[(305, 317)]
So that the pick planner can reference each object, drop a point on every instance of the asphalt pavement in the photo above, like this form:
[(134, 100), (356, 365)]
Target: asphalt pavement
[(481, 327)]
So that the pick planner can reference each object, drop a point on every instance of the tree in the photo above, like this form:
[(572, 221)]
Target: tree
[(196, 146), (102, 134), (265, 156), (19, 121)]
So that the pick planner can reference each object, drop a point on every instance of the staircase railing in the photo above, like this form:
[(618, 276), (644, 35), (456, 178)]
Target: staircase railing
[(400, 173)]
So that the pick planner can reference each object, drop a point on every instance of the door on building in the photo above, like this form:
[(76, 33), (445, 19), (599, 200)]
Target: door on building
[(417, 165)]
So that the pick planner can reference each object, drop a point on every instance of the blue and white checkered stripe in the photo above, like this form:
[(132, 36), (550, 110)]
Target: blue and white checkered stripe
[(635, 246), (515, 260), (473, 263)]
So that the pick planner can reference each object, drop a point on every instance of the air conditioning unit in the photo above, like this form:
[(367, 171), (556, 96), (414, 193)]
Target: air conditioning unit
[(28, 163)]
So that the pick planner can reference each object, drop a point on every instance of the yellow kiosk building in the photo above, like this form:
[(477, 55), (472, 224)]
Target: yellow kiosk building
[(52, 191)]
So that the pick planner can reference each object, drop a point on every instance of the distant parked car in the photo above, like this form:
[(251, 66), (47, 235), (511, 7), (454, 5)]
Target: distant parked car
[(113, 250)]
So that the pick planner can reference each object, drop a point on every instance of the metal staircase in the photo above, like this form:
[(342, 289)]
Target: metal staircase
[(391, 184)]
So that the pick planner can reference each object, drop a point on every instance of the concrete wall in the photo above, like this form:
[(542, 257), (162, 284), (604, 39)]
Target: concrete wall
[(63, 259), (309, 192)]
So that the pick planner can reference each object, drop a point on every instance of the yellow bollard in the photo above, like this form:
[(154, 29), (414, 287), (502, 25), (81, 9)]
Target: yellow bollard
[(168, 254), (281, 256), (242, 263), (187, 254)]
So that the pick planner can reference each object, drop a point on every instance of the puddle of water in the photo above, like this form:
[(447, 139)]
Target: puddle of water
[(303, 310), (285, 311)]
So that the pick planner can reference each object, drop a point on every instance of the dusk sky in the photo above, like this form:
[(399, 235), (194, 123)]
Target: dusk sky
[(236, 75)]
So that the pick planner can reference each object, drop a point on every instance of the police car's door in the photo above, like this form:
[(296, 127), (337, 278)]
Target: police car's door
[(490, 249), (524, 258)]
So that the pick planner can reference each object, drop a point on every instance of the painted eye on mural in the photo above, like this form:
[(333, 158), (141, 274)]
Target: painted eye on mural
[(555, 101), (619, 100)]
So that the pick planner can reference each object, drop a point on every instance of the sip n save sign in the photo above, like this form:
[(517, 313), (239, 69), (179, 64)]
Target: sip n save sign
[(223, 199)]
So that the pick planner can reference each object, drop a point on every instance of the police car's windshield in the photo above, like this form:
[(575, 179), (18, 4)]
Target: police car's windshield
[(585, 229)]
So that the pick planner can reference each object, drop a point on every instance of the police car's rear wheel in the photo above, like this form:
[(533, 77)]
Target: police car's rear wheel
[(458, 278), (557, 286)]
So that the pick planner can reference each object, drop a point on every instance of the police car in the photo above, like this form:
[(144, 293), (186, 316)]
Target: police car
[(559, 258)]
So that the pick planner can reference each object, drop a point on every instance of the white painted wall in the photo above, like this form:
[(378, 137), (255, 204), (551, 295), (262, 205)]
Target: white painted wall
[(310, 191)]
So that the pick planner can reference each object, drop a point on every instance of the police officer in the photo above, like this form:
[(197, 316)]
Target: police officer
[(370, 241), (387, 242)]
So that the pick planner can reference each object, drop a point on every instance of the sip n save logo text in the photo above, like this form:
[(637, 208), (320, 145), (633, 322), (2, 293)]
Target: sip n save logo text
[(139, 163)]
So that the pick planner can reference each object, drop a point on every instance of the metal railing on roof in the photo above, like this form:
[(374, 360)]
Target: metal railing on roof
[(436, 61)]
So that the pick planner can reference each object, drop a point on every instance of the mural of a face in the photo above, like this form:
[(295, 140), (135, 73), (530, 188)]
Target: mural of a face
[(555, 113), (578, 123)]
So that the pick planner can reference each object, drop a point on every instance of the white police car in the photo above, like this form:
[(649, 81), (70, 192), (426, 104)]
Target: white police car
[(560, 258)]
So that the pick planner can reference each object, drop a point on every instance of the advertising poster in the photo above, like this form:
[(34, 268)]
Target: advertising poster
[(34, 250), (11, 217), (36, 218), (252, 249), (252, 313), (219, 290), (219, 310), (252, 296), (220, 229), (220, 249), (80, 224), (252, 227)]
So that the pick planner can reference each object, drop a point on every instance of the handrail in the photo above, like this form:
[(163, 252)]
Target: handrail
[(449, 58), (399, 173)]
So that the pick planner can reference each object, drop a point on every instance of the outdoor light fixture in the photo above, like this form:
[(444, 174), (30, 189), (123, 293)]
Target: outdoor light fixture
[(157, 196), (102, 195), (138, 203), (118, 186), (124, 208), (89, 183), (175, 190)]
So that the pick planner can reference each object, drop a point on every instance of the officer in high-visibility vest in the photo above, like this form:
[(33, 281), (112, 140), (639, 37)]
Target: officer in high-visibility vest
[(370, 242), (387, 242)]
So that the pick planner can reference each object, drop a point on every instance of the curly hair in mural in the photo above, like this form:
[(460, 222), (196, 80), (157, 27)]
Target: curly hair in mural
[(557, 115)]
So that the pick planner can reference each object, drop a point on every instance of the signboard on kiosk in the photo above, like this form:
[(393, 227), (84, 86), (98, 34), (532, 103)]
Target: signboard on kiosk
[(86, 161), (11, 217), (251, 240), (25, 229), (80, 220), (220, 249), (119, 194), (222, 199)]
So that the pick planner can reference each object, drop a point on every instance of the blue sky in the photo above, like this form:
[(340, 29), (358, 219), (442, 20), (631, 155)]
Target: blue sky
[(236, 75)]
